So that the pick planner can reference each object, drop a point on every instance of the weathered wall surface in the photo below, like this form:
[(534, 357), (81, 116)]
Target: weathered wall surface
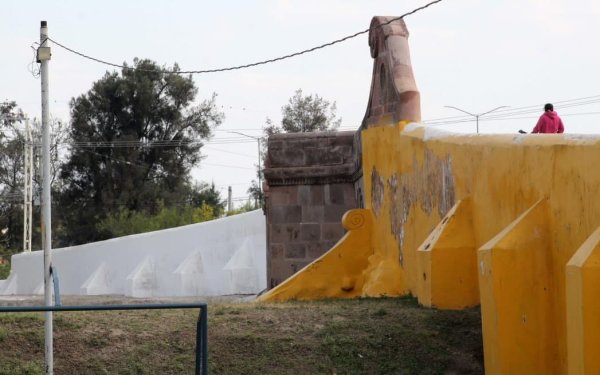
[(309, 178), (420, 173), (219, 257), (506, 221)]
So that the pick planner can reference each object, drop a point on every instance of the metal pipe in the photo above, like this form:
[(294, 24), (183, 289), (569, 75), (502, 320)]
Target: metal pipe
[(204, 339), (166, 306)]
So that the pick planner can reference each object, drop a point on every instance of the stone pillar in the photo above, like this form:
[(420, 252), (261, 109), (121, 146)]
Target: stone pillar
[(309, 186), (394, 96)]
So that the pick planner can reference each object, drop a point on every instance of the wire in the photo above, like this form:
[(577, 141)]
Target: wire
[(34, 66), (263, 62), (223, 165), (145, 167), (230, 152), (509, 114), (159, 143), (529, 108)]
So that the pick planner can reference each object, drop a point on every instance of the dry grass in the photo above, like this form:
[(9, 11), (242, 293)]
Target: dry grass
[(363, 336)]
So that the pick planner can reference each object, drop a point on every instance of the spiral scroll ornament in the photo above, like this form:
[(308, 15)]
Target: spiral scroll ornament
[(354, 219)]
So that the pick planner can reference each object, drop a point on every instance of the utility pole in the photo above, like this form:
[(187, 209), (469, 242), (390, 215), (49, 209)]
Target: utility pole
[(229, 201), (259, 165), (43, 57), (476, 115), (27, 188)]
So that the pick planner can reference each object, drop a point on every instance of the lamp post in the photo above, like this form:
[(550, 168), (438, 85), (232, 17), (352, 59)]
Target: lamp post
[(476, 115), (259, 169)]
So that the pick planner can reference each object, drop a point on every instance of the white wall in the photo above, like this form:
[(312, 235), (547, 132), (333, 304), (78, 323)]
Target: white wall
[(219, 257)]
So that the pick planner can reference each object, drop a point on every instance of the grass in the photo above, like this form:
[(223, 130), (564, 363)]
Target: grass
[(362, 336)]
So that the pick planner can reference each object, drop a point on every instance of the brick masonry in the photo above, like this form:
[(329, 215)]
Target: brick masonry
[(310, 184)]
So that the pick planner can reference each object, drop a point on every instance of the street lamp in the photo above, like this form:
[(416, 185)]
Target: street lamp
[(259, 170), (476, 115)]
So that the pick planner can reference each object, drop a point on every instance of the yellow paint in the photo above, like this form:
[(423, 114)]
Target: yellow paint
[(517, 286), (447, 262), (425, 172), (337, 273), (583, 307), (517, 185)]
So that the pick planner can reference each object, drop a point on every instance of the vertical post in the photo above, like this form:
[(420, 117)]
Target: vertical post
[(27, 188), (229, 203), (259, 174), (477, 123), (43, 56), (202, 342), (204, 315)]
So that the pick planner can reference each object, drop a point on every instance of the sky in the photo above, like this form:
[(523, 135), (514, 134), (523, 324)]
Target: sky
[(471, 54)]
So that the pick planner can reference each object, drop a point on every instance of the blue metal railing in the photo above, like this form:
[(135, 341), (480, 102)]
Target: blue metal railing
[(201, 325)]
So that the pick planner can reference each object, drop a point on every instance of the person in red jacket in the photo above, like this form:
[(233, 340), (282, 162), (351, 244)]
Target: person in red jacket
[(549, 122)]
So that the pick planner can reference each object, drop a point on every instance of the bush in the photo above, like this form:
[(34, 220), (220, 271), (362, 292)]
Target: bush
[(126, 222)]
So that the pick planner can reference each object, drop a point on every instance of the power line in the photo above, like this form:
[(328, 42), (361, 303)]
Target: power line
[(238, 67), (230, 152), (223, 165), (145, 167), (513, 110), (509, 114), (159, 143)]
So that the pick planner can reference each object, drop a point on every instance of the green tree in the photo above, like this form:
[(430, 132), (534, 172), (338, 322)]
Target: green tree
[(11, 177), (305, 113), (125, 222), (205, 194), (136, 136), (12, 143), (302, 113)]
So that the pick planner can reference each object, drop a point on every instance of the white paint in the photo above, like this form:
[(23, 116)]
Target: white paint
[(219, 257), (591, 138), (430, 132), (411, 126), (98, 283)]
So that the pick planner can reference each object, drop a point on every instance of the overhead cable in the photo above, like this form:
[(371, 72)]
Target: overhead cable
[(263, 62), (513, 110)]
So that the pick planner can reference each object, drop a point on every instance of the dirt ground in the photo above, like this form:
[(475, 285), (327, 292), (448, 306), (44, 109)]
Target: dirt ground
[(359, 336)]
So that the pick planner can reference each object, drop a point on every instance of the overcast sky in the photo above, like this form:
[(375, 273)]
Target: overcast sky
[(472, 54)]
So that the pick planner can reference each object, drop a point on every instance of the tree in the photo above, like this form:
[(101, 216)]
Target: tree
[(205, 194), (136, 136), (305, 114), (125, 222), (11, 176), (301, 114), (12, 142)]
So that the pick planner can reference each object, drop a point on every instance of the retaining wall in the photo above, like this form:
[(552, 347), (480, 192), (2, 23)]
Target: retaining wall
[(219, 257)]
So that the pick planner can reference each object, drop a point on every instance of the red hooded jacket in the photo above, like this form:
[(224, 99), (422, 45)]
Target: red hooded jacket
[(549, 122)]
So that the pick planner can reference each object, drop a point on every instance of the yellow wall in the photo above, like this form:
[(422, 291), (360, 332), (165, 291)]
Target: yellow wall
[(518, 306), (503, 213), (337, 273), (447, 262), (583, 307), (414, 175)]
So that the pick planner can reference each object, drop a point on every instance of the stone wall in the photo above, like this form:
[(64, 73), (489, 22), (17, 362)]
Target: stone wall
[(309, 186)]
